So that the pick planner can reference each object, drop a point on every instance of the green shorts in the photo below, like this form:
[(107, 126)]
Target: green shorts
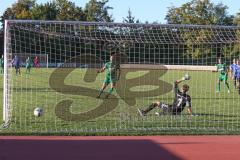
[(28, 66), (223, 77), (108, 80)]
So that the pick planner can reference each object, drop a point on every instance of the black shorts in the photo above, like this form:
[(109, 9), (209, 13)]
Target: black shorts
[(17, 67), (169, 108), (165, 107)]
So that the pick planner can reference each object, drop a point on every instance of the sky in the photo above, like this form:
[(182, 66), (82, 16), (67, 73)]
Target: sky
[(144, 10)]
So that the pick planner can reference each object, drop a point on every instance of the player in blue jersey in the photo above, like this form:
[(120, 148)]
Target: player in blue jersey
[(233, 68), (1, 65), (16, 62), (238, 75)]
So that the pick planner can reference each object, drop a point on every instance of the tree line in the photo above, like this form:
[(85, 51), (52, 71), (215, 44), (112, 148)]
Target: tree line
[(202, 12)]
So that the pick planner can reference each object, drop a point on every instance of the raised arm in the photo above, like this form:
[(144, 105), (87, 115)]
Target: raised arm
[(180, 80), (175, 87), (102, 69)]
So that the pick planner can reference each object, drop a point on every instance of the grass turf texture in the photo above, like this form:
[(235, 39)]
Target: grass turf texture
[(219, 112)]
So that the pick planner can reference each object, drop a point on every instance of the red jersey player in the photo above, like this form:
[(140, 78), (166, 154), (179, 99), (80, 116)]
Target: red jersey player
[(36, 62)]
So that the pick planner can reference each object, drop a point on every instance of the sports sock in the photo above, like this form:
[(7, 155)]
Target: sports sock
[(149, 108), (218, 87), (227, 85), (110, 90), (100, 92)]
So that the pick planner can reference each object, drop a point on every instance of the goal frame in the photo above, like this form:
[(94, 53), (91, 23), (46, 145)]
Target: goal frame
[(6, 86), (8, 98)]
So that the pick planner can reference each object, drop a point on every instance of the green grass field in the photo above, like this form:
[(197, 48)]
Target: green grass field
[(218, 112)]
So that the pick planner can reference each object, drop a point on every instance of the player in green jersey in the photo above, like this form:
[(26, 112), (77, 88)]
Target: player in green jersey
[(28, 65), (223, 74), (113, 71), (1, 65)]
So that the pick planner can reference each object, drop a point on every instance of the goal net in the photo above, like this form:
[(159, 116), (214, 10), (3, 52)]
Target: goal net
[(150, 57)]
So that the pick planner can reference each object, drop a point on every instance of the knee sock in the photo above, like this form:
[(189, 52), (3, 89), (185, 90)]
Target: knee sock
[(110, 90), (227, 85), (149, 108), (100, 92), (218, 87)]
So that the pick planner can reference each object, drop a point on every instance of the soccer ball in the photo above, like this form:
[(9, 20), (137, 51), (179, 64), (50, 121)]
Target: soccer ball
[(38, 112), (186, 77)]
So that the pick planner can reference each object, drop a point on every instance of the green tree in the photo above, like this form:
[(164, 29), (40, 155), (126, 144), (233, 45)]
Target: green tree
[(58, 10), (199, 12), (130, 18), (236, 20), (19, 10), (202, 13), (8, 14), (98, 11), (46, 11), (22, 9), (68, 11)]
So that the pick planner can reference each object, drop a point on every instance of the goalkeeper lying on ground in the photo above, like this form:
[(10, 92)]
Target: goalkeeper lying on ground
[(181, 100)]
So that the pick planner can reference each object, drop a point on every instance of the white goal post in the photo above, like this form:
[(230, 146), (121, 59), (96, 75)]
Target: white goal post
[(151, 57), (6, 86)]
